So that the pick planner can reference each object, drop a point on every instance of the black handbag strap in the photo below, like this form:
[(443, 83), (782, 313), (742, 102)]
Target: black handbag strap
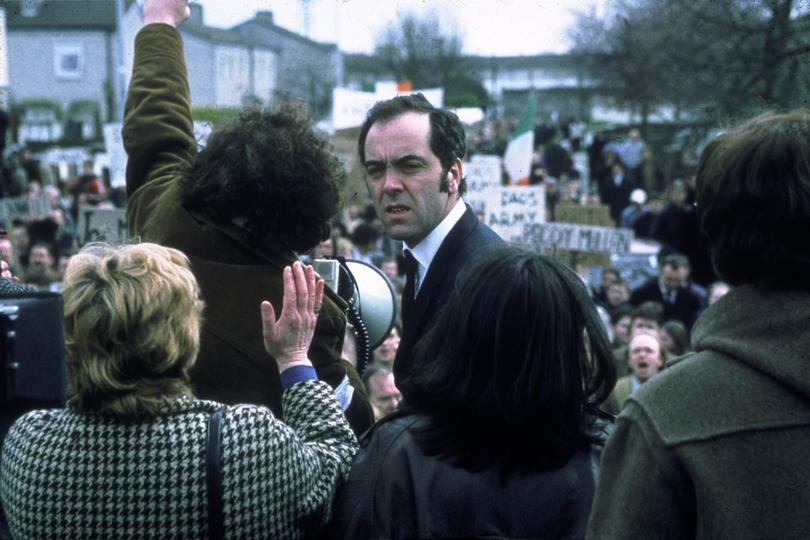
[(213, 476)]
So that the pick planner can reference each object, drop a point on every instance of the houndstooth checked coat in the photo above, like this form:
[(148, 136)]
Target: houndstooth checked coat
[(71, 474)]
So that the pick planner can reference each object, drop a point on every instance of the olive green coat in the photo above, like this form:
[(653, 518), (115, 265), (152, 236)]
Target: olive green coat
[(717, 445), (233, 366)]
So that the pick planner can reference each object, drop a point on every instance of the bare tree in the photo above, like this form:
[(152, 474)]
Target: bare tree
[(730, 57), (419, 50)]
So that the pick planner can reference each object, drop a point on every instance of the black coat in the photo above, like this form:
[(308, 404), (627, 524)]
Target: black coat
[(686, 308), (464, 244), (396, 491)]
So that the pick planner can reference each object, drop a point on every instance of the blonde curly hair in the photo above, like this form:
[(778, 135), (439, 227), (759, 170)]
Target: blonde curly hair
[(132, 327)]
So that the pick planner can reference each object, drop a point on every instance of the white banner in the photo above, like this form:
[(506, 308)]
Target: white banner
[(114, 146), (349, 107)]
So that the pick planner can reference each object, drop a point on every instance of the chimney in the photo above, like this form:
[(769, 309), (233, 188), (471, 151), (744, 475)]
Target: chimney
[(196, 16), (30, 8), (265, 16)]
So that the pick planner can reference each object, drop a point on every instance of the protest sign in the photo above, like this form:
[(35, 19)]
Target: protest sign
[(102, 225), (577, 237), (483, 174), (515, 208), (598, 216), (24, 208), (503, 208), (635, 268), (349, 107)]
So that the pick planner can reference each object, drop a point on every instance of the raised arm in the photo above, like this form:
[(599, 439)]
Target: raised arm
[(158, 130), (295, 467)]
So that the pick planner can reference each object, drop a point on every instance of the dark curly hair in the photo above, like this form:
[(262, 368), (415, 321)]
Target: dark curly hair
[(753, 187), (270, 169), (447, 138)]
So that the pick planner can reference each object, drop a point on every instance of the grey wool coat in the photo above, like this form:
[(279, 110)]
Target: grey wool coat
[(717, 445)]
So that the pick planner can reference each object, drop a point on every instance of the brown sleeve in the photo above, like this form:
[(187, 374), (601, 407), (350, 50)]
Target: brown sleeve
[(158, 131)]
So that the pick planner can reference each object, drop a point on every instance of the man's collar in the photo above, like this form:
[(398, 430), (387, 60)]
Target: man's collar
[(426, 250), (666, 293)]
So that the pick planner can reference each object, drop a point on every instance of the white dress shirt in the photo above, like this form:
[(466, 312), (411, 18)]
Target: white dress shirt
[(426, 250)]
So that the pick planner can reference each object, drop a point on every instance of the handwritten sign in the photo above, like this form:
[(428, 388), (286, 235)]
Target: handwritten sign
[(102, 225), (514, 208), (577, 237), (483, 174)]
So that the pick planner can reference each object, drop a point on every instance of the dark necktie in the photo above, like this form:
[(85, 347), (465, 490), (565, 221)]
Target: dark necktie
[(411, 268)]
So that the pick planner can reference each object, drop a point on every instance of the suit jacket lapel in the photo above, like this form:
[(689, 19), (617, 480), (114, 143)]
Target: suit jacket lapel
[(438, 271)]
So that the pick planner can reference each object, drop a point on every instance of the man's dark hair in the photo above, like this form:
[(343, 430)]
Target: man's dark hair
[(675, 260), (271, 170), (371, 371), (620, 282), (503, 381), (612, 270), (679, 334), (447, 139), (365, 233), (52, 250), (753, 188), (650, 311), (618, 312)]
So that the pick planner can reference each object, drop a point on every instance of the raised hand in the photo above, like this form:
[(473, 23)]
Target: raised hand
[(287, 339), (171, 12)]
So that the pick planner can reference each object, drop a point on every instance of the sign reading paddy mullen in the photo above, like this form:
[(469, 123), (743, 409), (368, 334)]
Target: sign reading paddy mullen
[(505, 209), (544, 236)]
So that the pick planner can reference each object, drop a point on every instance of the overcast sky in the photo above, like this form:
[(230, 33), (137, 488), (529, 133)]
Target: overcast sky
[(489, 27)]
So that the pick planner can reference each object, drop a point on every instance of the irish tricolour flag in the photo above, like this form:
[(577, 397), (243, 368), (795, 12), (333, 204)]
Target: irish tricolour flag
[(517, 160)]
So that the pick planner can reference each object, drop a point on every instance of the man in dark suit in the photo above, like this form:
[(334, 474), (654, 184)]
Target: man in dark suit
[(412, 153), (680, 302)]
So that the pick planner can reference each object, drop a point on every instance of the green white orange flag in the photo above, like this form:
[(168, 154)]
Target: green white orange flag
[(517, 160)]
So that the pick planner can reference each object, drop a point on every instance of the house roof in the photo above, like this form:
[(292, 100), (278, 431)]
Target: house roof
[(265, 20), (221, 35), (63, 14)]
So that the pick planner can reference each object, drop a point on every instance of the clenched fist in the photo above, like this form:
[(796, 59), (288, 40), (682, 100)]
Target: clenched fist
[(171, 12)]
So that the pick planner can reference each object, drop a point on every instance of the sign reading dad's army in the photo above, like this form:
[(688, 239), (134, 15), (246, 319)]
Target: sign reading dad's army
[(102, 225), (577, 237)]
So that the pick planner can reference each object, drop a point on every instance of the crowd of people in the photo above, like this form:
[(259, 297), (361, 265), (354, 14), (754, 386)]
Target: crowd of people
[(213, 390)]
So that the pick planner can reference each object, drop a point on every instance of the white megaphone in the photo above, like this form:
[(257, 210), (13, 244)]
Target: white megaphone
[(371, 298)]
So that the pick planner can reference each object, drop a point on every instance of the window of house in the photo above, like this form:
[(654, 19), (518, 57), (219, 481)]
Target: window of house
[(68, 62)]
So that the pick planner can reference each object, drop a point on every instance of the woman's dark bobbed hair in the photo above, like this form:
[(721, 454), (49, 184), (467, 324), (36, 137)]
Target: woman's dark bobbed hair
[(515, 365)]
